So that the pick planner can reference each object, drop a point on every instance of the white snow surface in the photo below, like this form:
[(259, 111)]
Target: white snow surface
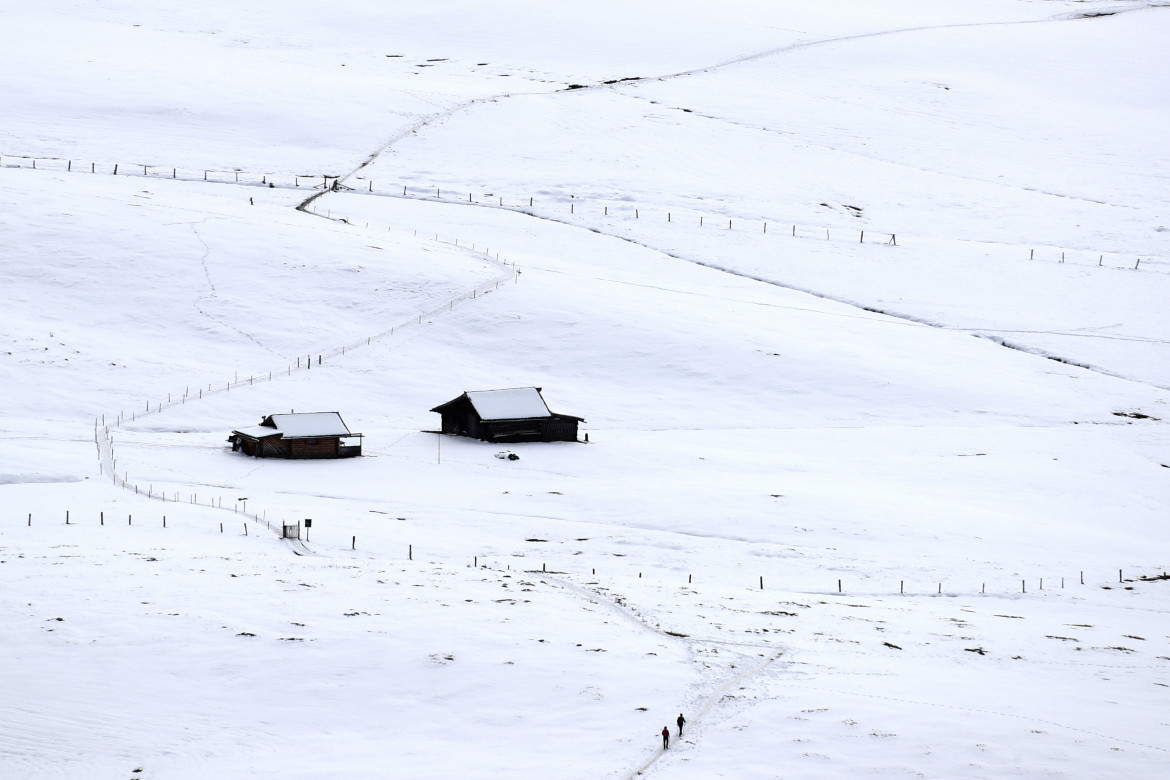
[(865, 304), (303, 424), (508, 403)]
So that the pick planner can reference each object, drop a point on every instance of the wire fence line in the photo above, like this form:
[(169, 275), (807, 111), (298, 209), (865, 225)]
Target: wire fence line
[(545, 207), (105, 424), (859, 584)]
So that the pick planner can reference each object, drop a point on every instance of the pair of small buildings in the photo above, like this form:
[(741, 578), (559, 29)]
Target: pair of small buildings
[(517, 414)]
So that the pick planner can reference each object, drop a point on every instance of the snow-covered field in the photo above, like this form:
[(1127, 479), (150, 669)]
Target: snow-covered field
[(772, 252)]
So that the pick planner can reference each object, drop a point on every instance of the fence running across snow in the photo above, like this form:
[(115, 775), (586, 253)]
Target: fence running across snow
[(861, 585), (556, 208)]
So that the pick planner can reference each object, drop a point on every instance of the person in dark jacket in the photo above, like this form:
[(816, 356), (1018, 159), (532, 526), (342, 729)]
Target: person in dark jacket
[(681, 721), (665, 737)]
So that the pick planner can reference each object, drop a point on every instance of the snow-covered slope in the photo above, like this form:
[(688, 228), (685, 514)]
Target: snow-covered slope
[(771, 254)]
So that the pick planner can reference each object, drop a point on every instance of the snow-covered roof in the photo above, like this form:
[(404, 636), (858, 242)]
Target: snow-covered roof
[(257, 432), (309, 424), (511, 404)]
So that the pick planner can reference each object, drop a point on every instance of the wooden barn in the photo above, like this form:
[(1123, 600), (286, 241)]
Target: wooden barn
[(512, 415), (306, 435)]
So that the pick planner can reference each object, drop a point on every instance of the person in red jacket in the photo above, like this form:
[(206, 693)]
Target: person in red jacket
[(665, 737)]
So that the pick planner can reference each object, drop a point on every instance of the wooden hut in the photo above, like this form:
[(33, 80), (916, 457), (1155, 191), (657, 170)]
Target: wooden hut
[(305, 435), (512, 415)]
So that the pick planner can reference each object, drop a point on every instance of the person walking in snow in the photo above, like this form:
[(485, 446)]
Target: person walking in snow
[(681, 721), (665, 737)]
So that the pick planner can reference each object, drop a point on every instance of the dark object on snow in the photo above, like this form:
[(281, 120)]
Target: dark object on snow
[(511, 415), (681, 720), (306, 435), (665, 737)]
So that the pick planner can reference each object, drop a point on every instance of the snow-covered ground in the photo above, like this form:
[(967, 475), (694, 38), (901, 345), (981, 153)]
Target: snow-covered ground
[(772, 252)]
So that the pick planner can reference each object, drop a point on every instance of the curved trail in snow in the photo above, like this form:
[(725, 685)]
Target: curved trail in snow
[(773, 52), (742, 59), (631, 616)]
